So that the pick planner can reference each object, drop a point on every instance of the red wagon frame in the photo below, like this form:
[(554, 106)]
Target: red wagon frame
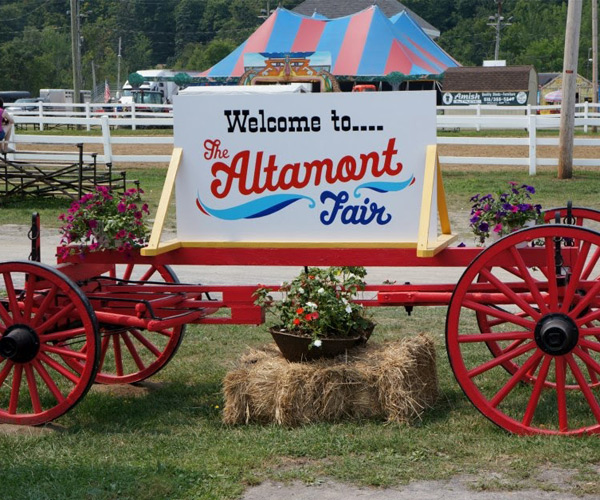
[(522, 331)]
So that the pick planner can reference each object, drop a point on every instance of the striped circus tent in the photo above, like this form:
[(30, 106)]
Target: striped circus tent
[(366, 44)]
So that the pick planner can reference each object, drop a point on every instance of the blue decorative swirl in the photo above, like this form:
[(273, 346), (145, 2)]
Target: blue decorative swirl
[(255, 209), (384, 187)]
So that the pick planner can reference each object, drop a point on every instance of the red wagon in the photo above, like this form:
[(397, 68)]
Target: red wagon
[(522, 327)]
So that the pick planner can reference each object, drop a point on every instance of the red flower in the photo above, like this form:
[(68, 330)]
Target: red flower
[(300, 310), (296, 321)]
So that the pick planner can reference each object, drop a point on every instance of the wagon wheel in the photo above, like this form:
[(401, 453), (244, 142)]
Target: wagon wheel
[(548, 298), (44, 318), (130, 354), (578, 216)]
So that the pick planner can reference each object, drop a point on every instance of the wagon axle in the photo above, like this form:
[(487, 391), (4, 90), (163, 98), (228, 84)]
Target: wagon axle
[(20, 343), (556, 334)]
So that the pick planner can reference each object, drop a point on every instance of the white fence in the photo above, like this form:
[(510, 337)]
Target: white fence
[(107, 117)]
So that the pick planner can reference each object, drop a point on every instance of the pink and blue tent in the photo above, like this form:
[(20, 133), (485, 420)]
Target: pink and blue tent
[(365, 44)]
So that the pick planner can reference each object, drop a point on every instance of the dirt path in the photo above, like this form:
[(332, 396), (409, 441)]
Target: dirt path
[(461, 488)]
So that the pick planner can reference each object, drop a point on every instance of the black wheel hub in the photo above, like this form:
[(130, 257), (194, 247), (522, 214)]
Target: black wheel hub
[(556, 334), (20, 344)]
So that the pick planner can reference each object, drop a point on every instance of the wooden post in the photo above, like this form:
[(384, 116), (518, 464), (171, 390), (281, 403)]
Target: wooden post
[(567, 110)]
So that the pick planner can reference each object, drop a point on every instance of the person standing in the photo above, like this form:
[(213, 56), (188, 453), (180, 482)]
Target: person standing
[(6, 125)]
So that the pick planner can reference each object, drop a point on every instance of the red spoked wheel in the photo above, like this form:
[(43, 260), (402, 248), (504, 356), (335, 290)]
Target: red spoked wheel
[(578, 216), (44, 319), (545, 301), (129, 354)]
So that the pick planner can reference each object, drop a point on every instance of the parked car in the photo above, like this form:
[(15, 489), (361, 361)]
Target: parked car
[(25, 104)]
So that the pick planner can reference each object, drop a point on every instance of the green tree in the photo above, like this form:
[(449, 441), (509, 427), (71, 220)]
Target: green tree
[(202, 57), (187, 20), (48, 53)]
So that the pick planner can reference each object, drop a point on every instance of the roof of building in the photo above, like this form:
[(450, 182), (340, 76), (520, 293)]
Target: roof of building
[(544, 78), (341, 8), (498, 78), (365, 44)]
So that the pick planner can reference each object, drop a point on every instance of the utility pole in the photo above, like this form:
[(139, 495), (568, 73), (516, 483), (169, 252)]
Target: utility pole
[(497, 22), (76, 50), (595, 58), (569, 88), (119, 71), (93, 77)]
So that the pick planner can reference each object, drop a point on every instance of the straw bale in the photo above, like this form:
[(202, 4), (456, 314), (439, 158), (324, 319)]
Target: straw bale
[(395, 381)]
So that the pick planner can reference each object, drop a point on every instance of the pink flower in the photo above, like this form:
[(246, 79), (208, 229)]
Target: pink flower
[(121, 207), (497, 228)]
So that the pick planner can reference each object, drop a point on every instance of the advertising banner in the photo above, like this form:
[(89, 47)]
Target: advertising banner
[(324, 167), (492, 98)]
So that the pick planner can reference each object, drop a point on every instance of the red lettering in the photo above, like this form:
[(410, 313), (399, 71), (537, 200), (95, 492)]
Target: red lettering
[(388, 154), (231, 172), (213, 150), (269, 177)]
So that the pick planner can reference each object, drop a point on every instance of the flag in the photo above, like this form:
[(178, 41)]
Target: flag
[(106, 91)]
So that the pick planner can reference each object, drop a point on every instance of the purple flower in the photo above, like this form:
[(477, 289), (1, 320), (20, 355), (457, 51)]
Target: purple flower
[(474, 219), (484, 227), (529, 189), (121, 207)]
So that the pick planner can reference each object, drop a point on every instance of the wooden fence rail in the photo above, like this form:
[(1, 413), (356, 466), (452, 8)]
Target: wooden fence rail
[(108, 117)]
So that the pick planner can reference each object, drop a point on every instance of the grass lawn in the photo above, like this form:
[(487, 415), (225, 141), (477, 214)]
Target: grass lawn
[(165, 439), (168, 442)]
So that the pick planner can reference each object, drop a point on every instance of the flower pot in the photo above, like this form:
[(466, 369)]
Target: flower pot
[(296, 347)]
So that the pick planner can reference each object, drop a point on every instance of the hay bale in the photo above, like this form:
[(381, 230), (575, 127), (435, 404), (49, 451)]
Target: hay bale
[(395, 381)]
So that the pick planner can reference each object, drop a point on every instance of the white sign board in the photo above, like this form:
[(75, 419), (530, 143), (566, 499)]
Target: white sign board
[(334, 167)]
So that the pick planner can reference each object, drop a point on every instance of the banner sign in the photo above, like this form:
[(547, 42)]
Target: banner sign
[(493, 98), (324, 167), (304, 63)]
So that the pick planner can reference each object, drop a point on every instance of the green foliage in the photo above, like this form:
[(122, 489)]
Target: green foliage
[(536, 35), (35, 37)]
